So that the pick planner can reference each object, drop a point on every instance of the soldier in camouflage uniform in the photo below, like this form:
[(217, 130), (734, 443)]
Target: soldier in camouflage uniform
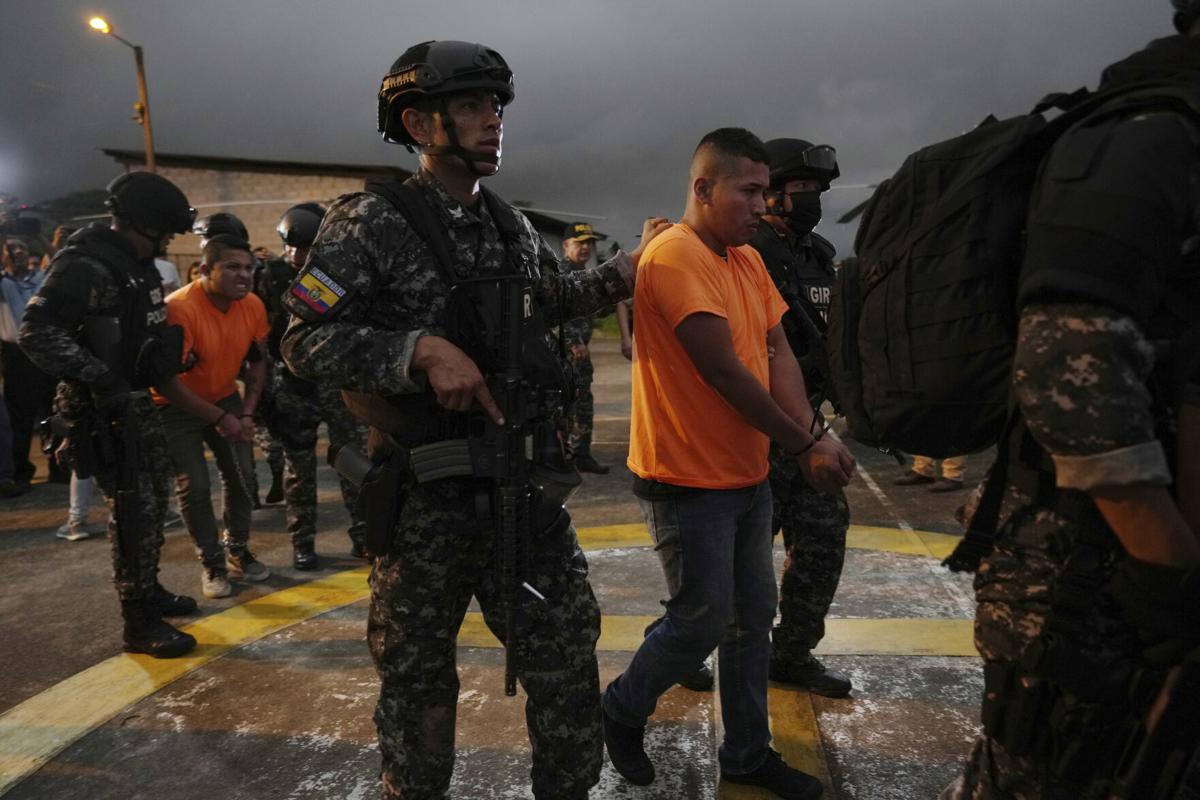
[(578, 246), (814, 523), (370, 313), (1092, 575), (299, 406), (98, 323)]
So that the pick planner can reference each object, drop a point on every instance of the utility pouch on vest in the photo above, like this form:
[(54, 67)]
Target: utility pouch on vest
[(159, 356), (380, 485)]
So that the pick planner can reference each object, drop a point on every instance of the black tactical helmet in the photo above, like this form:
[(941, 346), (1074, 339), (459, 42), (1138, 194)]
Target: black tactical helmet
[(796, 159), (436, 68), (1186, 14), (150, 202), (219, 223), (298, 225)]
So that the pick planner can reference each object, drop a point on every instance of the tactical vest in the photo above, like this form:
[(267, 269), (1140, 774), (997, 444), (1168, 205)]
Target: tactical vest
[(146, 352), (804, 279), (473, 322)]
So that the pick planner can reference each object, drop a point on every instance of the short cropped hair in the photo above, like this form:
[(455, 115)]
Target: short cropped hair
[(734, 143), (216, 247)]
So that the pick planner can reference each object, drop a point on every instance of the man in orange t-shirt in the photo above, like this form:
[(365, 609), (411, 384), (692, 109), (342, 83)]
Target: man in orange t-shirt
[(708, 397), (224, 325)]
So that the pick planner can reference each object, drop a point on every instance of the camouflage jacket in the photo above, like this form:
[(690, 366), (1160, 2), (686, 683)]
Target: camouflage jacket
[(372, 287), (575, 331)]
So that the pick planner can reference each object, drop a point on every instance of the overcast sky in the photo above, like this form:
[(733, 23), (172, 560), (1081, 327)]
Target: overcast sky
[(612, 95)]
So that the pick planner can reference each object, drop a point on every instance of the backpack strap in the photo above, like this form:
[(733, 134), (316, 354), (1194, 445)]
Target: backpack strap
[(409, 201), (984, 529)]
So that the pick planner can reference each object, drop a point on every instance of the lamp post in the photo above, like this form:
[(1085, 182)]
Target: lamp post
[(143, 106)]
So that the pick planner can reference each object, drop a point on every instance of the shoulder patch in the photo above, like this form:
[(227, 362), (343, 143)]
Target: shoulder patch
[(318, 291)]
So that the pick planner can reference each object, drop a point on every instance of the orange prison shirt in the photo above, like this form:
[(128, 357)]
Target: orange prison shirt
[(682, 432), (220, 340)]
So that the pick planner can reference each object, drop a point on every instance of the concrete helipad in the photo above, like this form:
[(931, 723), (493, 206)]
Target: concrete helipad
[(276, 701)]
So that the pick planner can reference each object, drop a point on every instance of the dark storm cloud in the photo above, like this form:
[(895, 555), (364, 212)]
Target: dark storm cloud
[(611, 96)]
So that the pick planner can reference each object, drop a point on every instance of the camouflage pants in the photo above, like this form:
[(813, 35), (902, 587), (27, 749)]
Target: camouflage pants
[(1013, 590), (271, 447), (439, 560), (814, 538), (581, 412), (299, 410), (135, 572)]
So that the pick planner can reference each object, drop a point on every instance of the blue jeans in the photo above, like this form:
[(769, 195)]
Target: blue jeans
[(715, 549)]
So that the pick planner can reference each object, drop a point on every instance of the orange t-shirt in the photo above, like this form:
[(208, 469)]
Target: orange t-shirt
[(219, 339), (681, 431)]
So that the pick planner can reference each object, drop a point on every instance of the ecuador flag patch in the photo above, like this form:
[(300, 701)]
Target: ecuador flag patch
[(318, 290)]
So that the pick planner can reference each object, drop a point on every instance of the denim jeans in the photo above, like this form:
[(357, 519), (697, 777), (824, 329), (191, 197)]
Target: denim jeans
[(186, 437), (715, 549)]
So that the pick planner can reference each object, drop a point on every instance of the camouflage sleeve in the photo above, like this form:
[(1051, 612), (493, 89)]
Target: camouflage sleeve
[(566, 294), (332, 336), (1080, 377), (53, 316)]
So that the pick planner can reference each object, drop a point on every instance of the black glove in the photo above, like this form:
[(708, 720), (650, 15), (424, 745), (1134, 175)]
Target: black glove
[(110, 393)]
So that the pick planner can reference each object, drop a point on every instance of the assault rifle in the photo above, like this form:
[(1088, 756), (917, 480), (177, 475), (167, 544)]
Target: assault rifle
[(503, 453), (1162, 755)]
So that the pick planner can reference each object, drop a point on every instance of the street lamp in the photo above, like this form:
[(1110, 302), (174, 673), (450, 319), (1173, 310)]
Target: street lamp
[(142, 108)]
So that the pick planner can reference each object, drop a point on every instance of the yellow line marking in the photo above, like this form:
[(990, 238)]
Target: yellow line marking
[(859, 537), (608, 536), (35, 731), (894, 540), (843, 637)]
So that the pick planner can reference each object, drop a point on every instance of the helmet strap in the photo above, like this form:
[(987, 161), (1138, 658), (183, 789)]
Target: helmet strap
[(456, 149)]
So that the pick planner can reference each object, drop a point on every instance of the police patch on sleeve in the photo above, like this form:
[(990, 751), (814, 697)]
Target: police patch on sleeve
[(318, 291)]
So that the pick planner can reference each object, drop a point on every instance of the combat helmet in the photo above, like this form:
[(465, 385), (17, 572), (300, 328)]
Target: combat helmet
[(1186, 14), (298, 225), (436, 69), (150, 202), (220, 223), (796, 159)]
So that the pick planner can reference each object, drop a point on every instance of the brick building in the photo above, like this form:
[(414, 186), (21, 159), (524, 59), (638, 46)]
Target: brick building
[(258, 191)]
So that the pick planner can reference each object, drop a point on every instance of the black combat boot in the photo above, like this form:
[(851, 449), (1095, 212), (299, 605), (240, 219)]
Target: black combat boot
[(358, 549), (170, 604), (805, 671), (275, 493), (145, 631), (304, 556)]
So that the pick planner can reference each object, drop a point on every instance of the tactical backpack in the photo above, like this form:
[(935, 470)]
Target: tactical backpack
[(922, 325)]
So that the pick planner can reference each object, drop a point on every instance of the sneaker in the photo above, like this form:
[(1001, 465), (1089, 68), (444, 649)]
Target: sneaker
[(699, 681), (911, 478), (586, 463), (946, 485), (74, 531), (625, 751), (809, 673), (242, 565), (776, 776), (214, 583), (172, 519)]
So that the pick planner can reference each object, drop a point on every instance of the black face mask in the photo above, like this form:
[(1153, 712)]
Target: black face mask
[(805, 213)]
